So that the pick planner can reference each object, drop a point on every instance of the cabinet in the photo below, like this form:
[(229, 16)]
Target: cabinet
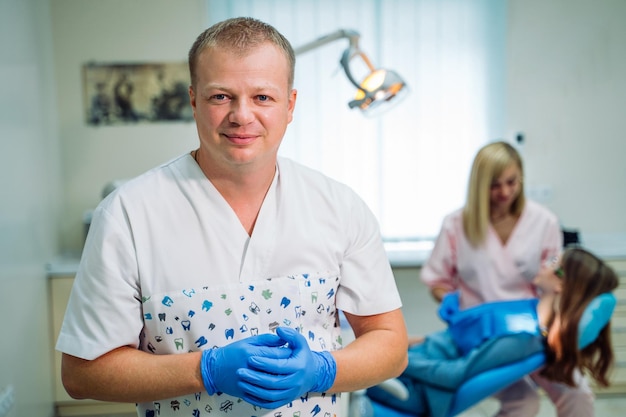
[(60, 287)]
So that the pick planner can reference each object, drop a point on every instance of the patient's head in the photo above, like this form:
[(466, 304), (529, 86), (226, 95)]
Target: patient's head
[(584, 276)]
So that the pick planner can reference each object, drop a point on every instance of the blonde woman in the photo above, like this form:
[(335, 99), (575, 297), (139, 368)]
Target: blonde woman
[(491, 250)]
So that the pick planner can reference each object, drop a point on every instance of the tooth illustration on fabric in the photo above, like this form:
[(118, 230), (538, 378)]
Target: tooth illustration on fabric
[(285, 302), (167, 301)]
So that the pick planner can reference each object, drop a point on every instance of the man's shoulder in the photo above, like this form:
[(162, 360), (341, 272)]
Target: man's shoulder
[(309, 186), (290, 167), (292, 172), (148, 183)]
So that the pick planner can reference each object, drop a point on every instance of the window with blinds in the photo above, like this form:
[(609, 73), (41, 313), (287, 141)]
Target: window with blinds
[(411, 163)]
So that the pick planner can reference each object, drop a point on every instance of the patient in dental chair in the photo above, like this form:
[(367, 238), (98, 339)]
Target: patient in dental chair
[(495, 334)]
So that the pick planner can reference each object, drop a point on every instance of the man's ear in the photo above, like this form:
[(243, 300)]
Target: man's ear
[(192, 100), (291, 103), (192, 97)]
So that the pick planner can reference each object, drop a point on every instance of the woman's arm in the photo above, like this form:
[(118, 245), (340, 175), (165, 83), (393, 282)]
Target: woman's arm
[(439, 272)]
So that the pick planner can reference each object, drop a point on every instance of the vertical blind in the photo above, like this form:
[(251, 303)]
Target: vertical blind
[(411, 163)]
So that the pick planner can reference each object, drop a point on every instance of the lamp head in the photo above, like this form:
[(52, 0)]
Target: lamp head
[(380, 90)]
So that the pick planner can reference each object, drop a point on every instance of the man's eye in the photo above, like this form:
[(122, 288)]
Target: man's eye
[(219, 97), (263, 97)]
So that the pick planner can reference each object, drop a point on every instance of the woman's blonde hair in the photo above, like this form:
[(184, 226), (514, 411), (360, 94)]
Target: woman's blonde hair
[(489, 163)]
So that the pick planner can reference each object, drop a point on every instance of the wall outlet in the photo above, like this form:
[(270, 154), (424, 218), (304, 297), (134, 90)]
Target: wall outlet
[(540, 193), (7, 399)]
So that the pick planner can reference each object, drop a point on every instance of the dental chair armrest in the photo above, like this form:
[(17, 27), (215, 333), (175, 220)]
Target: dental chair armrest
[(396, 388)]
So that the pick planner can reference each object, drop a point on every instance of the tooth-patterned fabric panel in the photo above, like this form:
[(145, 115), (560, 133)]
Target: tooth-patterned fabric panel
[(194, 319)]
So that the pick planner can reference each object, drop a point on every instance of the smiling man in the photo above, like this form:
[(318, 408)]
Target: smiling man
[(212, 283)]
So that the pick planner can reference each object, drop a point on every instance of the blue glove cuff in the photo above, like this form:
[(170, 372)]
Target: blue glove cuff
[(326, 371), (206, 365)]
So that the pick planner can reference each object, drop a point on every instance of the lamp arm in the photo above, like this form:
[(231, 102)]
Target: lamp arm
[(352, 35), (348, 54)]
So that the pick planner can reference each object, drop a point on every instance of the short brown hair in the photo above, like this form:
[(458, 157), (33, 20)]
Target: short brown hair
[(240, 34)]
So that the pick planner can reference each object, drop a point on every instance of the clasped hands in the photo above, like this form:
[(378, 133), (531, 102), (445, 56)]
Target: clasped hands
[(268, 370)]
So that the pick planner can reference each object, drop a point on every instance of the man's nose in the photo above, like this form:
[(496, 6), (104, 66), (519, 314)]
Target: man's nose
[(241, 112)]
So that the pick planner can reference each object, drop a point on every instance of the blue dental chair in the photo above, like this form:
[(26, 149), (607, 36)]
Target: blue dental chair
[(596, 316)]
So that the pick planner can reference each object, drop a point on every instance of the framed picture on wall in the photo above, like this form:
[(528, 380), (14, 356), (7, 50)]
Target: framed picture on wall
[(136, 93)]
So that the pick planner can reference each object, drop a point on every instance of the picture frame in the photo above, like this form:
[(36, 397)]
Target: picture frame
[(130, 93)]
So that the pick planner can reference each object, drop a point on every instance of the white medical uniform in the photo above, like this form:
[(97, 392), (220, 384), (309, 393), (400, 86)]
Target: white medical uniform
[(168, 268), (498, 272)]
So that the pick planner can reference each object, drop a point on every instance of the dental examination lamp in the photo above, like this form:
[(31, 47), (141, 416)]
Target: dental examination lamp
[(379, 90)]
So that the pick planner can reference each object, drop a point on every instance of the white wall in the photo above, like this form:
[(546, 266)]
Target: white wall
[(114, 31), (567, 93), (29, 202)]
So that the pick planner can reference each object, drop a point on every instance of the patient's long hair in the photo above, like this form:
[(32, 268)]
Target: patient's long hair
[(585, 277)]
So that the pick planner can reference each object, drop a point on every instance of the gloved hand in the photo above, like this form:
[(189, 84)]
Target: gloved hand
[(223, 368), (282, 380)]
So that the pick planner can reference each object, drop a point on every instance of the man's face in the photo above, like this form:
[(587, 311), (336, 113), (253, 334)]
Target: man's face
[(242, 105)]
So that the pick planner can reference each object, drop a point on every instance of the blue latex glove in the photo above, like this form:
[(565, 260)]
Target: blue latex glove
[(282, 380), (223, 368)]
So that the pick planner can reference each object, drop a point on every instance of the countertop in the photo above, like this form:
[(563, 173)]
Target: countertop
[(608, 246), (407, 254)]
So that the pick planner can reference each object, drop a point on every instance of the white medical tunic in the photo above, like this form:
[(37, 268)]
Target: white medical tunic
[(494, 271), (168, 268)]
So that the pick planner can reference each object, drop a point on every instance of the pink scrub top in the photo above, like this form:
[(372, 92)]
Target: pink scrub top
[(494, 271)]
